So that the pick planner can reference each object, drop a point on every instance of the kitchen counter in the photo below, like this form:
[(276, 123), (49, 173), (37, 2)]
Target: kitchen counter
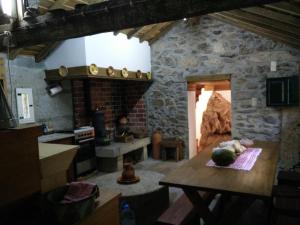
[(51, 150), (55, 160), (54, 137)]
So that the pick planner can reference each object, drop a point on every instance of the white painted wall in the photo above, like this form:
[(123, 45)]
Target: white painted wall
[(106, 50), (70, 53)]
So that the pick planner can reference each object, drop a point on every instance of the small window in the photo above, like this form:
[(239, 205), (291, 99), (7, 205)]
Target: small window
[(25, 105)]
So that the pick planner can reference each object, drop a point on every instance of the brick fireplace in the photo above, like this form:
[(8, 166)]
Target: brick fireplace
[(114, 96)]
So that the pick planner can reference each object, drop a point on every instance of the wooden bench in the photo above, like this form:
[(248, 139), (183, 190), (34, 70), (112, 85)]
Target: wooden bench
[(182, 211)]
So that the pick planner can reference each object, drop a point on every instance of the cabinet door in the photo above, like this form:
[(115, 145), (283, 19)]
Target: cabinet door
[(293, 91)]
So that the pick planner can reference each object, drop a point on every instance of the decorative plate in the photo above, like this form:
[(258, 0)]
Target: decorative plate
[(63, 71), (124, 72), (149, 75), (110, 71), (139, 74), (93, 68)]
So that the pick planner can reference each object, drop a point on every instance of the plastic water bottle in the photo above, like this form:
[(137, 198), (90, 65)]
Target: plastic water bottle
[(127, 215)]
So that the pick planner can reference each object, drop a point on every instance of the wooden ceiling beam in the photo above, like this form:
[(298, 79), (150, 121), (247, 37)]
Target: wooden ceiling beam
[(133, 32), (162, 32), (59, 4), (45, 52), (14, 53), (285, 28), (259, 29), (116, 15), (274, 15), (153, 32), (286, 7)]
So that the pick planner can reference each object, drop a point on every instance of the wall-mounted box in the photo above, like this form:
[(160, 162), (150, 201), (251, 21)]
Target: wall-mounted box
[(283, 91)]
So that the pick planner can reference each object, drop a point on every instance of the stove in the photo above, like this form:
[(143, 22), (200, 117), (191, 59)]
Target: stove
[(84, 133), (85, 159)]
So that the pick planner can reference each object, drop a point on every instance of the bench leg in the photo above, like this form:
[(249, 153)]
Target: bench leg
[(145, 153)]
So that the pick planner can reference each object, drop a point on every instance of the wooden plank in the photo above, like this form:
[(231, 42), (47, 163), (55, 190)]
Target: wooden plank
[(116, 15), (286, 28), (258, 182), (44, 53), (271, 14), (259, 29), (286, 7), (210, 78)]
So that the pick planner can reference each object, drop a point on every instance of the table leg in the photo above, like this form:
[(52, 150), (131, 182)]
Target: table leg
[(201, 207), (269, 207)]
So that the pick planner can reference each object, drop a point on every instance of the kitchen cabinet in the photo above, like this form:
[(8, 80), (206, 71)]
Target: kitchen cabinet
[(61, 138), (55, 160), (19, 163)]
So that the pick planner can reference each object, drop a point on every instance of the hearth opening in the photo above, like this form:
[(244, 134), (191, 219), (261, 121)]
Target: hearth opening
[(209, 103)]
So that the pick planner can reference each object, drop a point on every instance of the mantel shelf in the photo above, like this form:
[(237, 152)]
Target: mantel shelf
[(83, 72)]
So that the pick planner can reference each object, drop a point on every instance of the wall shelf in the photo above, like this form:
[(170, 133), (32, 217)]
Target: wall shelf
[(83, 72)]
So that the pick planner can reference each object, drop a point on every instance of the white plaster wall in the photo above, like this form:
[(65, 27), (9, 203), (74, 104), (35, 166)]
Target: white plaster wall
[(106, 50), (192, 125), (70, 53)]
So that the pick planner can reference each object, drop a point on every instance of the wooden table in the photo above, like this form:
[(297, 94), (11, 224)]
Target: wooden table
[(195, 175)]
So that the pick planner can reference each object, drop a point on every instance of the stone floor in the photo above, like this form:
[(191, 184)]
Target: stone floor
[(256, 214)]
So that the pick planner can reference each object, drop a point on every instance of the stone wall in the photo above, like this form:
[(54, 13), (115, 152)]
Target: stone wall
[(57, 110), (213, 47)]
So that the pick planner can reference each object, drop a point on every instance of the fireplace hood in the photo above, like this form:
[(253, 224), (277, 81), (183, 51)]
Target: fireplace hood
[(6, 116)]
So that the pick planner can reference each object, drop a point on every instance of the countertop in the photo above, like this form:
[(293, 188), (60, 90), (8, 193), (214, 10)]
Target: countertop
[(54, 137), (48, 150)]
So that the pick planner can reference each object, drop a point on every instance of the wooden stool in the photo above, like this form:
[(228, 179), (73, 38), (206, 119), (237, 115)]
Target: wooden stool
[(173, 144)]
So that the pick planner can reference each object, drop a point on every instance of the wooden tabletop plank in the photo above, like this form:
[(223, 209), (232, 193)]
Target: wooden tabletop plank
[(258, 182)]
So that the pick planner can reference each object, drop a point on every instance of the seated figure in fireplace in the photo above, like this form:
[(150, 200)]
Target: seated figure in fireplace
[(123, 133), (122, 126)]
